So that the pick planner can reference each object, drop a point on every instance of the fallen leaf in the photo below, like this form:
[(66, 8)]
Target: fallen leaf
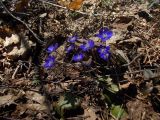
[(60, 50), (131, 40), (125, 86), (148, 74), (38, 107), (7, 99), (35, 97), (1, 41), (16, 52), (90, 114), (136, 109), (14, 39), (122, 56), (67, 102), (75, 5), (21, 5)]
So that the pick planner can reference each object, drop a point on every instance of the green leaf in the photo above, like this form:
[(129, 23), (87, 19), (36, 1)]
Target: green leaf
[(118, 112), (107, 98), (114, 88), (105, 79), (109, 85), (67, 102)]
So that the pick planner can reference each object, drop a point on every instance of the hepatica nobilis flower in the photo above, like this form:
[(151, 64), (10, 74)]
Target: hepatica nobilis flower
[(88, 45), (78, 57), (52, 48), (104, 34), (104, 52), (49, 62), (103, 49), (72, 39)]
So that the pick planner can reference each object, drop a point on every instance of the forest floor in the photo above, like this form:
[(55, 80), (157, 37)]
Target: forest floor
[(126, 86)]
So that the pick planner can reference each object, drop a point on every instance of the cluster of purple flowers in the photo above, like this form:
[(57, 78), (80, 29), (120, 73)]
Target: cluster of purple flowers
[(103, 51), (50, 61)]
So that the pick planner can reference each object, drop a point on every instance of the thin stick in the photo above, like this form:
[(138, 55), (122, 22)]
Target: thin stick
[(15, 72), (18, 19), (132, 60)]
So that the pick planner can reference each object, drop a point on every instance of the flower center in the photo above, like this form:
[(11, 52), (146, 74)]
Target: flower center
[(50, 62), (104, 35), (102, 50), (79, 57), (87, 45)]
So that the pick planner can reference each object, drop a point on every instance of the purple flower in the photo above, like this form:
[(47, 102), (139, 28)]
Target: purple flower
[(104, 34), (78, 57), (103, 49), (52, 48), (49, 62), (89, 45), (72, 39), (70, 48), (105, 56), (104, 52)]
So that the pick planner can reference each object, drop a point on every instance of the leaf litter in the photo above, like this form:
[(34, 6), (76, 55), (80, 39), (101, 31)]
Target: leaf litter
[(124, 87)]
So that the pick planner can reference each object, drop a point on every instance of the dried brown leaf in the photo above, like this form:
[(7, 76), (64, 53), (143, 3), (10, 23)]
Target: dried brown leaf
[(37, 107), (14, 39), (90, 114), (16, 52), (34, 96), (126, 85), (1, 41), (7, 99)]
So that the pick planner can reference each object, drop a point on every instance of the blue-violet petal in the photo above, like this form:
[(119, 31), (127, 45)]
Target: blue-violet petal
[(78, 57), (49, 62), (52, 48), (88, 45), (104, 34)]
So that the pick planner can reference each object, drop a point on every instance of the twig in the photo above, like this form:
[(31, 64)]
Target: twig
[(7, 118), (18, 19), (78, 118), (1, 78), (15, 72), (53, 4), (132, 60), (153, 3), (16, 87)]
